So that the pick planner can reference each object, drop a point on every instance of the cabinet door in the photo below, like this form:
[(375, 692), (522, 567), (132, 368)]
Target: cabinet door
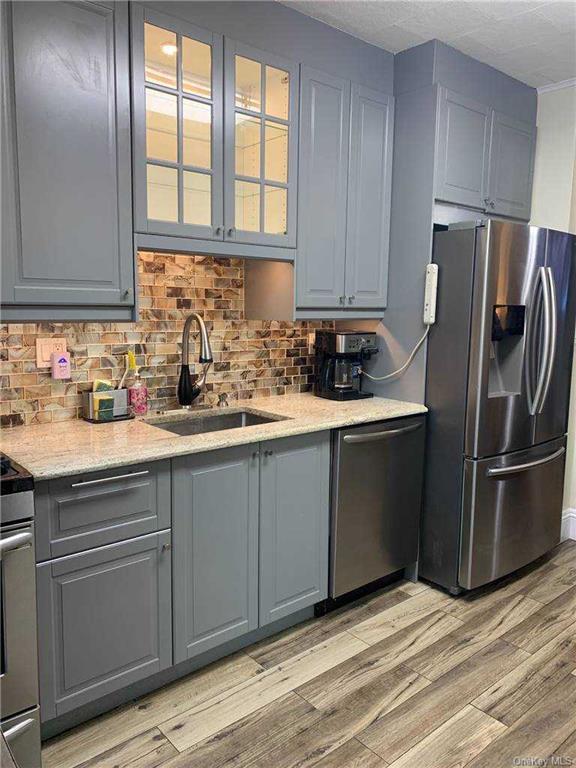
[(512, 146), (369, 185), (260, 146), (177, 96), (323, 189), (215, 523), (104, 621), (294, 527), (67, 170), (462, 154)]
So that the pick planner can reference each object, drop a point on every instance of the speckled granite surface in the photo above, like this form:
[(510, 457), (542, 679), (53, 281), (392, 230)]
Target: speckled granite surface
[(67, 448)]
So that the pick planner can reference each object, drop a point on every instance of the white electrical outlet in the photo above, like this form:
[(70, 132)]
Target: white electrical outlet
[(45, 348), (430, 293)]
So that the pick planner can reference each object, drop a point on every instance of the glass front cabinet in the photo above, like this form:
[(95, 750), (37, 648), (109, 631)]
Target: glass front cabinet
[(215, 135)]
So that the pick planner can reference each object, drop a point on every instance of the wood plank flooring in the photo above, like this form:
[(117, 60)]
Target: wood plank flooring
[(406, 677)]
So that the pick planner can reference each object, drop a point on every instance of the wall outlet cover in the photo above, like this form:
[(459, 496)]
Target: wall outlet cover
[(45, 348)]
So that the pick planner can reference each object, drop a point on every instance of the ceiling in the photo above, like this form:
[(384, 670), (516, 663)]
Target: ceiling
[(531, 40)]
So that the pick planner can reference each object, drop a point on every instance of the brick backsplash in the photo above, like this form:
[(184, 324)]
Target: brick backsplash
[(251, 358)]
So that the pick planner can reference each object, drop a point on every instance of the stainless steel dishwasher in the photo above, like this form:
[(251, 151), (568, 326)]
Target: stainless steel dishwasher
[(377, 473)]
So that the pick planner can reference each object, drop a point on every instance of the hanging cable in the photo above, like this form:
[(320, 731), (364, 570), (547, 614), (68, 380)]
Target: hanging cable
[(401, 370)]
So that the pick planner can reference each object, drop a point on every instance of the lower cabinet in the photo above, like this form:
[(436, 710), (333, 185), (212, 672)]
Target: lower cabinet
[(294, 524), (250, 538), (215, 525), (104, 620)]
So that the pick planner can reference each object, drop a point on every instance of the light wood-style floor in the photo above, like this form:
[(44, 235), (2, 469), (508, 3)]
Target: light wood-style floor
[(409, 678)]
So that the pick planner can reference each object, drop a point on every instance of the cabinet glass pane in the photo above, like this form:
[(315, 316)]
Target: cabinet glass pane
[(197, 198), (277, 92), (160, 55), (161, 126), (197, 129), (162, 188), (275, 205), (196, 68), (248, 84), (276, 152), (247, 145), (247, 205)]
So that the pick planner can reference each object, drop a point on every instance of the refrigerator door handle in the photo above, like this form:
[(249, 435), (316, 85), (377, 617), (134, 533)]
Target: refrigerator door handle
[(544, 296), (501, 471), (553, 327)]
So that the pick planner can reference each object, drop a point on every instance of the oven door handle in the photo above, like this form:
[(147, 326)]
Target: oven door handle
[(17, 541), (17, 730), (499, 471), (371, 437)]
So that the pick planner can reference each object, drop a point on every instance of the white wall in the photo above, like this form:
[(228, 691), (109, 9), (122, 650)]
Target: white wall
[(554, 206)]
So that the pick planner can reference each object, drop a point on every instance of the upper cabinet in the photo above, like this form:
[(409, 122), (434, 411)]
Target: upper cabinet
[(344, 194), (215, 135), (67, 247), (484, 158)]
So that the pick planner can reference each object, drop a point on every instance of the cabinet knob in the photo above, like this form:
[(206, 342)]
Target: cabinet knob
[(255, 454), (231, 231), (351, 299), (342, 299), (126, 294), (217, 230), (492, 204), (166, 547), (268, 453)]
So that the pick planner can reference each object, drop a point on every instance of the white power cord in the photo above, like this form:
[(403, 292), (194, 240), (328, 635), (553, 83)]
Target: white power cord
[(401, 370)]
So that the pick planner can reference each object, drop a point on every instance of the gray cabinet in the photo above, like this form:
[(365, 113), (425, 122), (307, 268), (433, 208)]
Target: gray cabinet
[(369, 187), (66, 176), (104, 621), (463, 146), (323, 190), (344, 195), (512, 147), (215, 137), (215, 524), (485, 158), (85, 511), (294, 524)]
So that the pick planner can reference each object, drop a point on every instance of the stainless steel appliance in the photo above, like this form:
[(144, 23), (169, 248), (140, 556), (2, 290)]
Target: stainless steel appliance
[(339, 357), (498, 385), (20, 715), (376, 501)]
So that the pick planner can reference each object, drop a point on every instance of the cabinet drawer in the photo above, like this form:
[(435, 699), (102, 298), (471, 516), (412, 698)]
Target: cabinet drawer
[(104, 621), (89, 510)]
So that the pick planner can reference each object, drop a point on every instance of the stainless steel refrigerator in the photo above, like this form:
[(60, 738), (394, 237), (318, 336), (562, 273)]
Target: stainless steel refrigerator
[(498, 387)]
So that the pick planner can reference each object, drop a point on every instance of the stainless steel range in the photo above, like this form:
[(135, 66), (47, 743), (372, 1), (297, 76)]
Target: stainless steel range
[(20, 715)]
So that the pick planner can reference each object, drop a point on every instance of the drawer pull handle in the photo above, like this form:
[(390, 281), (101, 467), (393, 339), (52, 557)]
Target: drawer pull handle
[(16, 730), (499, 471), (101, 480), (370, 437)]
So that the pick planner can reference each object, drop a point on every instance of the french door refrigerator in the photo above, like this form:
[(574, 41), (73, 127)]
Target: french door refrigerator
[(498, 387)]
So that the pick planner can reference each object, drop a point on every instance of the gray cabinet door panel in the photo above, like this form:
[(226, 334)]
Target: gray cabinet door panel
[(462, 151), (368, 235), (144, 223), (215, 525), (322, 190), (104, 621), (72, 130), (85, 511), (294, 527), (512, 146), (233, 230)]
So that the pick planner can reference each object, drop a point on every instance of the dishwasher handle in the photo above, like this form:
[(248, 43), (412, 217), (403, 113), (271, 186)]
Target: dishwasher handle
[(372, 437)]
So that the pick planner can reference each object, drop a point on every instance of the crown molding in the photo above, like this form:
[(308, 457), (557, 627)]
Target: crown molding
[(557, 86)]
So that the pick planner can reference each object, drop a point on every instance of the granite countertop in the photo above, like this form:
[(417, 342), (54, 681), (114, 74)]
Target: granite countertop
[(73, 447)]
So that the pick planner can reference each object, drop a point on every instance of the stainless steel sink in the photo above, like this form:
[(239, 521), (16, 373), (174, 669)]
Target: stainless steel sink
[(213, 422)]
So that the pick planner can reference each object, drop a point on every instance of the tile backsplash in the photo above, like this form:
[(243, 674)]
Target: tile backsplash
[(252, 358)]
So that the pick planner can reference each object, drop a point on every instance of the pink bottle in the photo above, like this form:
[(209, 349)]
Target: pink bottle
[(138, 396)]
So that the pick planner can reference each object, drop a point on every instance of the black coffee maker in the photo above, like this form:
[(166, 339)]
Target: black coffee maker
[(339, 359)]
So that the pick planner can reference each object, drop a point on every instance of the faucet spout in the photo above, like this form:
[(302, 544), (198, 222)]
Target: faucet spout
[(190, 387)]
